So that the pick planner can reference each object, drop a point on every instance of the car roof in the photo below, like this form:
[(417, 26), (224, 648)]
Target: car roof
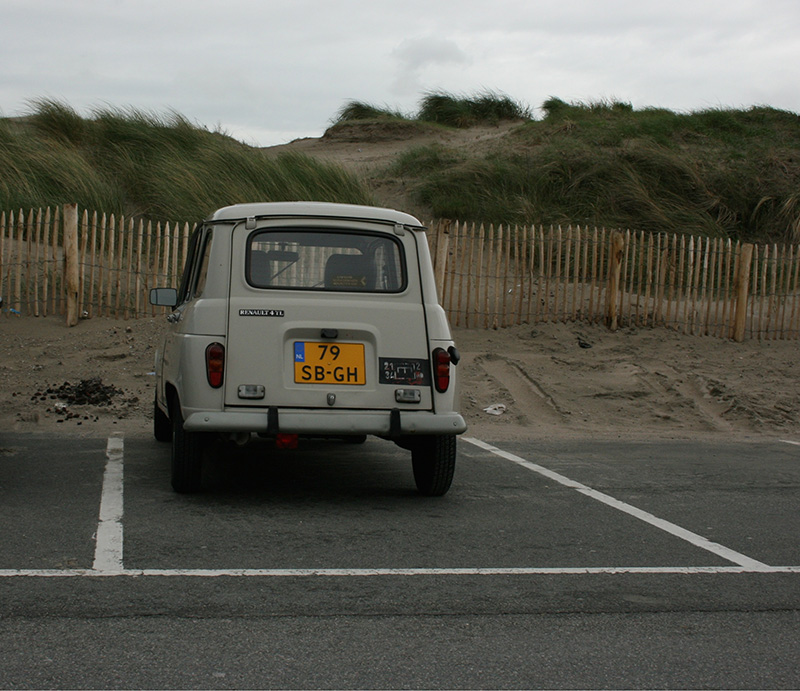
[(241, 212)]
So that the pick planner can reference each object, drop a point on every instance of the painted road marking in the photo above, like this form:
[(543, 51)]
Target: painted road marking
[(349, 573), (671, 528), (108, 540)]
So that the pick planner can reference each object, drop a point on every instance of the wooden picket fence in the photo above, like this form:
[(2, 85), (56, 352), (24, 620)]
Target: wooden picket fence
[(111, 263), (59, 262), (497, 276)]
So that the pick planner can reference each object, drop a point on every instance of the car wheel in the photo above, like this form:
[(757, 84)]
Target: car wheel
[(187, 454), (434, 462), (162, 427)]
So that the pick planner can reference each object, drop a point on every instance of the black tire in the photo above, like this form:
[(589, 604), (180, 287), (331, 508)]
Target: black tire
[(187, 454), (162, 427), (434, 462)]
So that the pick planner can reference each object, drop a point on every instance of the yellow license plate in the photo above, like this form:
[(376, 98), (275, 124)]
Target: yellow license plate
[(329, 363)]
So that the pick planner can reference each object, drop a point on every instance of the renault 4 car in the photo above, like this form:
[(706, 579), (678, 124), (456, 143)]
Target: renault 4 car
[(306, 319)]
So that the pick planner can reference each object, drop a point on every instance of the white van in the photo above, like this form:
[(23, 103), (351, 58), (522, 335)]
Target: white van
[(307, 319)]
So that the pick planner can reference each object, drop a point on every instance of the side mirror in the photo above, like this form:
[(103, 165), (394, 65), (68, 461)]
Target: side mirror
[(164, 297)]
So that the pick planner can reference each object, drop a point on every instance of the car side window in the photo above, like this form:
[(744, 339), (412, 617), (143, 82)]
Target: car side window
[(202, 271), (196, 268)]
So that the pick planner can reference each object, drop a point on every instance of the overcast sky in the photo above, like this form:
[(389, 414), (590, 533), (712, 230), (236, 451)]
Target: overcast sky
[(269, 71)]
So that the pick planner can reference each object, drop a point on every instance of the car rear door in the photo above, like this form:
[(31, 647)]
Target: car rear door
[(326, 314)]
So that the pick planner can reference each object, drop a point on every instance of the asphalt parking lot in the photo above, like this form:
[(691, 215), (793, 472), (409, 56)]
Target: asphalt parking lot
[(561, 565)]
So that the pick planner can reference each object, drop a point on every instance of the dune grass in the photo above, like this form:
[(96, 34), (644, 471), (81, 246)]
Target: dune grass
[(358, 110), (160, 166), (486, 108), (719, 172), (443, 108)]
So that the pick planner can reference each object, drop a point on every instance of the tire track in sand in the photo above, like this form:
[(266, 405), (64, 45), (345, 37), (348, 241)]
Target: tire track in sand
[(528, 400)]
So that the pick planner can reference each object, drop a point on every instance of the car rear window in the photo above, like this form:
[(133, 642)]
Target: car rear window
[(326, 260)]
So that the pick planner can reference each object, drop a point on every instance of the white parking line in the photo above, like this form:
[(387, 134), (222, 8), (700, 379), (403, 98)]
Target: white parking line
[(671, 528), (405, 572), (108, 546)]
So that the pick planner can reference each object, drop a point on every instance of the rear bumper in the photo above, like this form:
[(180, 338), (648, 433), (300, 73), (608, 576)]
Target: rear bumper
[(334, 422)]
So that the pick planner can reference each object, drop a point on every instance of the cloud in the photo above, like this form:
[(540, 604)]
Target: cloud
[(416, 56)]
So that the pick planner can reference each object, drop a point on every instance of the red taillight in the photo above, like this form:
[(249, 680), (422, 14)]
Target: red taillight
[(215, 364), (286, 441), (441, 369)]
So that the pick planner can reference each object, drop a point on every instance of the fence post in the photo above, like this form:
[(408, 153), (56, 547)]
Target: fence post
[(440, 260), (742, 291), (71, 261), (614, 270)]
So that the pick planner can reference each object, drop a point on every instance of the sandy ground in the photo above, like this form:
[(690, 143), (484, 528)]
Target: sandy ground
[(550, 381)]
